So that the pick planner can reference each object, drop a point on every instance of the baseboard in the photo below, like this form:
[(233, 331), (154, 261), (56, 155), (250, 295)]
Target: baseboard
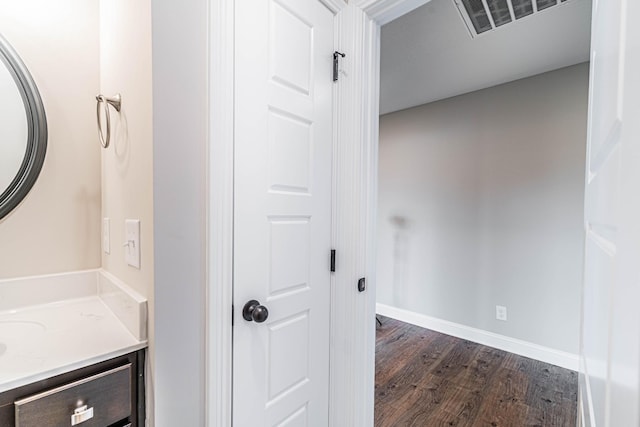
[(512, 345)]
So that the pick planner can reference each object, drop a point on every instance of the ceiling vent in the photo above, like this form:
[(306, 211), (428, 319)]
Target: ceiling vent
[(481, 16)]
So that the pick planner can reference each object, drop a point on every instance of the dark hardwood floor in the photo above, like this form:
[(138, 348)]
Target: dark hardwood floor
[(424, 378)]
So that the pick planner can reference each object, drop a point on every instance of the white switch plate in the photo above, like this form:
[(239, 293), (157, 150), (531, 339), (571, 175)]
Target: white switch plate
[(501, 312), (106, 235), (132, 242)]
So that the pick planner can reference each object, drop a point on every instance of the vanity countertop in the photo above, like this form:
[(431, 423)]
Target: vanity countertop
[(55, 337)]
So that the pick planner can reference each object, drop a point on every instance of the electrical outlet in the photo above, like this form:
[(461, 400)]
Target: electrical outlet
[(106, 236), (501, 312)]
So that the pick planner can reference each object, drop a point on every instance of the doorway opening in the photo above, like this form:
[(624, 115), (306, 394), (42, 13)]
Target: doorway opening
[(480, 212)]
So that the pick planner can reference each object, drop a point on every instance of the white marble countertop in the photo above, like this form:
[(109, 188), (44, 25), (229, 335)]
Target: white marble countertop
[(55, 337)]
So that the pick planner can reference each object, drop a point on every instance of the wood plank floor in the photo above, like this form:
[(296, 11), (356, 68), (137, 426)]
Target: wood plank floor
[(424, 378)]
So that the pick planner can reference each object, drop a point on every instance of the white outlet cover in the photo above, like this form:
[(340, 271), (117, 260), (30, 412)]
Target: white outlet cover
[(132, 242), (501, 313)]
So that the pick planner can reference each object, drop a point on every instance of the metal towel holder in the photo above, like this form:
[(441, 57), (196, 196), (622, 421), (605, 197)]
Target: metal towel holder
[(116, 102)]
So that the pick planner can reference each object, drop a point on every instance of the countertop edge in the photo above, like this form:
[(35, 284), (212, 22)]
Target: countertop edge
[(10, 385)]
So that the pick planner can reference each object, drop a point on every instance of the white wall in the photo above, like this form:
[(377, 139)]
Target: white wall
[(481, 204), (57, 227), (127, 164), (180, 128)]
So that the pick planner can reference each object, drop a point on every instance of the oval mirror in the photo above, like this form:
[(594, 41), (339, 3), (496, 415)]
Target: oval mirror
[(23, 130)]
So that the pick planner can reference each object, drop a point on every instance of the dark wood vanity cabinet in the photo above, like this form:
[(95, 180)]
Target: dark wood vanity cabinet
[(107, 394)]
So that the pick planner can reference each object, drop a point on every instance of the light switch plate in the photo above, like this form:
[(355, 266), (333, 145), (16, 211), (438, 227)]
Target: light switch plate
[(132, 242), (106, 235)]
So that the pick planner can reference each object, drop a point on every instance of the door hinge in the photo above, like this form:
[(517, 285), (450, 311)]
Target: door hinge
[(333, 261), (336, 55), (232, 315)]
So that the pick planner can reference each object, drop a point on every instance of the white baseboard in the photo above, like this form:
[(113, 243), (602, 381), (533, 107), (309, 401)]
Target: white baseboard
[(512, 345)]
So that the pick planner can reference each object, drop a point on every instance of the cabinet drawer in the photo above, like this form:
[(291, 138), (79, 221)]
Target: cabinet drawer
[(107, 397)]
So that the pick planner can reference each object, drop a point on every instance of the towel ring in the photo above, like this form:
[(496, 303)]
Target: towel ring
[(116, 102)]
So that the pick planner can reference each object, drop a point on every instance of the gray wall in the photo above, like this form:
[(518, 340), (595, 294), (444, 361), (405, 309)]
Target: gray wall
[(180, 140), (481, 204)]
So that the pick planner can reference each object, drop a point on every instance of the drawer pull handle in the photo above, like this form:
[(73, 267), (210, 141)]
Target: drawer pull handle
[(81, 415)]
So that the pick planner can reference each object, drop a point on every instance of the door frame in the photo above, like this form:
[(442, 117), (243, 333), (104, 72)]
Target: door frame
[(355, 160)]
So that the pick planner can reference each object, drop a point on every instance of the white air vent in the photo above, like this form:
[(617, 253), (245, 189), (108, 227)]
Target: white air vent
[(481, 16)]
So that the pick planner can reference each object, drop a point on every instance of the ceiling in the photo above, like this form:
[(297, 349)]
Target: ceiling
[(428, 54)]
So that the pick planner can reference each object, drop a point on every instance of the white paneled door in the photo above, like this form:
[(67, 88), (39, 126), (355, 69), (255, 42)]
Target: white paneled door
[(282, 212), (610, 354)]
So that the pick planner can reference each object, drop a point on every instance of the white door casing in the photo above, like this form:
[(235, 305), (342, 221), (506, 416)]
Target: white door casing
[(282, 211), (609, 384)]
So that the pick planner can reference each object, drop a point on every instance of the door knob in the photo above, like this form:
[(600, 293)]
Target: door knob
[(254, 312)]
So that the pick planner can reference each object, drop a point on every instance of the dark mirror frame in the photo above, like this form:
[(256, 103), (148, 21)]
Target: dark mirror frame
[(17, 190)]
